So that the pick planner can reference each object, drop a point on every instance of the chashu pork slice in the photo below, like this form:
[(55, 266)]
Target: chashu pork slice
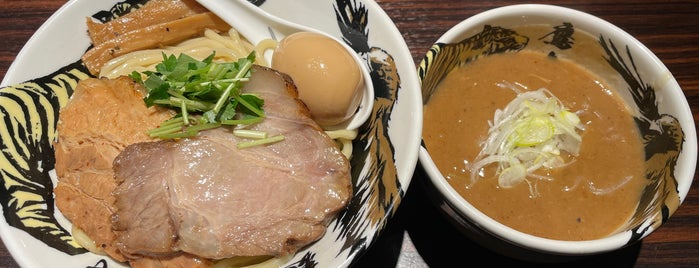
[(102, 117), (206, 197)]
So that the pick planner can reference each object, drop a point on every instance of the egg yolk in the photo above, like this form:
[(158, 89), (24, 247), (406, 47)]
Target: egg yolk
[(327, 77)]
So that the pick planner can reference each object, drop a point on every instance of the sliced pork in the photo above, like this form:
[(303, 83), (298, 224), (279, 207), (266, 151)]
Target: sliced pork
[(102, 117), (206, 197)]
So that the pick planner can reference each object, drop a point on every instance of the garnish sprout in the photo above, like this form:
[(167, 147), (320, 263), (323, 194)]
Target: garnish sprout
[(206, 95)]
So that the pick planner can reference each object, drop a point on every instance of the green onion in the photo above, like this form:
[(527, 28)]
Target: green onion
[(253, 134), (529, 134), (246, 121), (259, 142)]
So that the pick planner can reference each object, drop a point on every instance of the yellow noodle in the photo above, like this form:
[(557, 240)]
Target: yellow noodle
[(346, 147), (85, 241), (349, 134), (344, 139), (228, 47), (263, 46), (237, 44)]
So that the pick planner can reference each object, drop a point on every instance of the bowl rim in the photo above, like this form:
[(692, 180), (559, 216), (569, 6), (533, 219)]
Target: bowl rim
[(587, 21)]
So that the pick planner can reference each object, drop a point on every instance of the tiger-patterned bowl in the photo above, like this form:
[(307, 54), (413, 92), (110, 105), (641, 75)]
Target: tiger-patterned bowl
[(645, 85)]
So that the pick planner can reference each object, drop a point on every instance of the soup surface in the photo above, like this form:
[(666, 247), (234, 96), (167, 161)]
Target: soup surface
[(590, 198)]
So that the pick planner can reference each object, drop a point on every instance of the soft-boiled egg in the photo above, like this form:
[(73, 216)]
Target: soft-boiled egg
[(327, 77)]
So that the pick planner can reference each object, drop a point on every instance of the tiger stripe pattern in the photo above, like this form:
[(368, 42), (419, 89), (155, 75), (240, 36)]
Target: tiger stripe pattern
[(491, 40), (29, 112)]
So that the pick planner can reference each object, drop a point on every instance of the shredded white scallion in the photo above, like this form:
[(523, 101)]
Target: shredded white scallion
[(530, 133)]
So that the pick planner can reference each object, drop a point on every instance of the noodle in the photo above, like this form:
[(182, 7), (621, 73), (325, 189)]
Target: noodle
[(85, 241), (344, 138), (228, 48)]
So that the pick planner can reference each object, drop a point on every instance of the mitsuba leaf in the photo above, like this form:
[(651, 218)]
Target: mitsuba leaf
[(207, 90), (209, 116), (157, 90), (136, 77), (254, 106), (167, 65), (229, 111)]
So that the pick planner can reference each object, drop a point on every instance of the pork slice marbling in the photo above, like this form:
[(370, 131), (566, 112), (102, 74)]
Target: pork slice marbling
[(206, 197)]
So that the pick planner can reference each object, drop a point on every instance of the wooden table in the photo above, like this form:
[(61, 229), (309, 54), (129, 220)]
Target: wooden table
[(418, 236)]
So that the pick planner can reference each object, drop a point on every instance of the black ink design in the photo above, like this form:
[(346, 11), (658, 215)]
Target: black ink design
[(663, 138), (561, 37), (100, 264), (375, 194), (118, 10), (27, 153), (26, 194), (257, 2), (441, 58)]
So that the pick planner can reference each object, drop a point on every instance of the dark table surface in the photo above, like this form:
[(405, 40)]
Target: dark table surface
[(418, 236)]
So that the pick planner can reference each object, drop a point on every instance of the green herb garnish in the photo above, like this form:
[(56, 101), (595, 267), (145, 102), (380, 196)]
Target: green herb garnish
[(206, 94)]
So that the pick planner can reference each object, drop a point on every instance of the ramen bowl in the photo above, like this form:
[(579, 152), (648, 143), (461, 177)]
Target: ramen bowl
[(40, 82), (664, 148)]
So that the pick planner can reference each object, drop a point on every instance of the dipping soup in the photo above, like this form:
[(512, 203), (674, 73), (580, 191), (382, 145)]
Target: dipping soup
[(589, 198)]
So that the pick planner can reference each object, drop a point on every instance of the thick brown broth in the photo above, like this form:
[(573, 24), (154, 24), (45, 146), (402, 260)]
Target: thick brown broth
[(588, 199)]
